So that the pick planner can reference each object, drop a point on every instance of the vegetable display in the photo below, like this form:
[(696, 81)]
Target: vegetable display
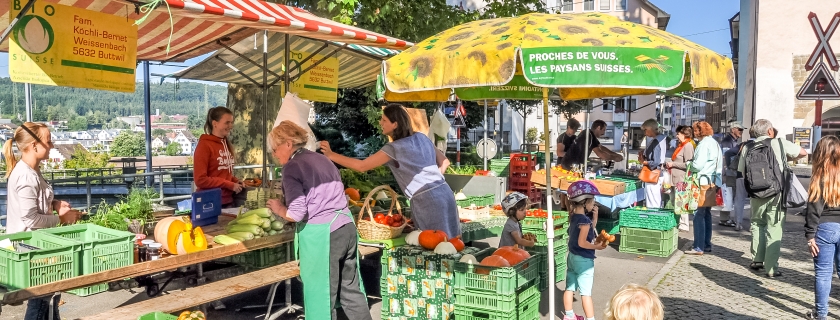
[(429, 239), (177, 236), (463, 170), (135, 206), (253, 224)]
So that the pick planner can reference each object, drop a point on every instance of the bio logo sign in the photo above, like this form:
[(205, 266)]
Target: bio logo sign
[(34, 34)]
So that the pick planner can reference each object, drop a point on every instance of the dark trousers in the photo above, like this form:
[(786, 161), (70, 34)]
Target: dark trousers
[(39, 308), (345, 283)]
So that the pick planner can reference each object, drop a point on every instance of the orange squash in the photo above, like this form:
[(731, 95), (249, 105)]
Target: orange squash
[(176, 236), (492, 261), (457, 243), (353, 193), (429, 239), (512, 254)]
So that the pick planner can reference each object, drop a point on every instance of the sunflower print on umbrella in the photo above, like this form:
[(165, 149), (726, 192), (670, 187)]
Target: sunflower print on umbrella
[(484, 53)]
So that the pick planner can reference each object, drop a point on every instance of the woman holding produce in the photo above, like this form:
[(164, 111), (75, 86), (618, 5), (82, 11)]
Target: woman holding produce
[(708, 165), (677, 166), (213, 157), (30, 199), (418, 167), (314, 199)]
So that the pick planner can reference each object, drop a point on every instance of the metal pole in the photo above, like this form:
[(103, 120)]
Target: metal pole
[(548, 202), (27, 95), (502, 128), (586, 147), (485, 135), (147, 109), (817, 122), (265, 103)]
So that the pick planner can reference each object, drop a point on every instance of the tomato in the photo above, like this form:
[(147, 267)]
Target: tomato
[(380, 219), (389, 221), (397, 218), (379, 215), (396, 224)]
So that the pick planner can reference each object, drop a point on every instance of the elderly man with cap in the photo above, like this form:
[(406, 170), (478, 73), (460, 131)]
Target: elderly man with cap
[(730, 141)]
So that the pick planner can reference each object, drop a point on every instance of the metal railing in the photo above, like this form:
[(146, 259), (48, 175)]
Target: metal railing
[(137, 180)]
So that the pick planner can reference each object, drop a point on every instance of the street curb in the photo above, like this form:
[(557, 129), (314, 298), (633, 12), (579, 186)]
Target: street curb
[(654, 282)]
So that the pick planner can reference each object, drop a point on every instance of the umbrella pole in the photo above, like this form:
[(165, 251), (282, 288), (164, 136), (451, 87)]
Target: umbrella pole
[(265, 175), (548, 202), (485, 135), (586, 147)]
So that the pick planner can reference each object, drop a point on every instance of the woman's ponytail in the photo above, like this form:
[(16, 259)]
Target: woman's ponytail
[(10, 157)]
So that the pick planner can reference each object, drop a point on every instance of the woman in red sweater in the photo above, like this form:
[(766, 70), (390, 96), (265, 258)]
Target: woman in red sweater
[(213, 156)]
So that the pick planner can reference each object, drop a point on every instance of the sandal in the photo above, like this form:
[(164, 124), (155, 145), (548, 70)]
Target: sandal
[(757, 265)]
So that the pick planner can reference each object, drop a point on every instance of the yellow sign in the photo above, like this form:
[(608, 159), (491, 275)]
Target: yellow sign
[(319, 83), (66, 46)]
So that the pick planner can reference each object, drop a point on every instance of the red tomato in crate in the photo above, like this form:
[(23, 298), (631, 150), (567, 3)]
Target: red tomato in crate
[(396, 224), (389, 221), (397, 217)]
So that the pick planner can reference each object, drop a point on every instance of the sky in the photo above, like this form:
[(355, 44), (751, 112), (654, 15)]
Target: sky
[(705, 22)]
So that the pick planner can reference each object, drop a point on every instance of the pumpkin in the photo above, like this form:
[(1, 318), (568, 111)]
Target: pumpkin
[(190, 315), (429, 239), (492, 261), (445, 248), (177, 236), (457, 243), (413, 238), (468, 258), (512, 254), (353, 193)]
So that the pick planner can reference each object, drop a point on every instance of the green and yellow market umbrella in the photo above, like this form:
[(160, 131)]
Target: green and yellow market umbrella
[(570, 56)]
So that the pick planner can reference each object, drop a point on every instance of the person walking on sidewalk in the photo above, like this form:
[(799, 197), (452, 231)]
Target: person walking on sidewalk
[(707, 165), (763, 182), (678, 164), (730, 141), (822, 217), (653, 157)]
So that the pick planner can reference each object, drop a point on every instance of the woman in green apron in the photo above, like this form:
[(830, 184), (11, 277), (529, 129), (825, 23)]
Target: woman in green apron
[(326, 238)]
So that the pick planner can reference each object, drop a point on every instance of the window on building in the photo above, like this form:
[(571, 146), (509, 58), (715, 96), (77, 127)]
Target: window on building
[(608, 105), (588, 5), (620, 5), (632, 104), (610, 133), (620, 105), (568, 6), (605, 5)]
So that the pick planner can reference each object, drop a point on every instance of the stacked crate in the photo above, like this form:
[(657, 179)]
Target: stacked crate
[(537, 226), (418, 284), (648, 231), (522, 165), (496, 293), (500, 167)]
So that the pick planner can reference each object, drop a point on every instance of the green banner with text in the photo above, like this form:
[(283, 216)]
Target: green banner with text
[(604, 67), (517, 89)]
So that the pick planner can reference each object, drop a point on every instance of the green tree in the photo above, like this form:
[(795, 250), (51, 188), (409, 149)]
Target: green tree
[(524, 108), (159, 132), (569, 108), (78, 123), (173, 149), (84, 159), (128, 144)]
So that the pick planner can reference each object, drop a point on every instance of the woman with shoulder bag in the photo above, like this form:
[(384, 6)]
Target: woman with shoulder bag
[(652, 158), (678, 164), (822, 215), (708, 166)]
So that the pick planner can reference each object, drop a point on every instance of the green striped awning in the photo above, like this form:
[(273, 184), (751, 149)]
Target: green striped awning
[(358, 65)]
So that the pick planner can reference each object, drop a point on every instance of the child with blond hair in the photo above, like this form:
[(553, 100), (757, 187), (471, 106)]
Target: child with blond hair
[(634, 302)]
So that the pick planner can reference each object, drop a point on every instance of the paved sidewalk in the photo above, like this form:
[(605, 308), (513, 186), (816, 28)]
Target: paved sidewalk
[(719, 285)]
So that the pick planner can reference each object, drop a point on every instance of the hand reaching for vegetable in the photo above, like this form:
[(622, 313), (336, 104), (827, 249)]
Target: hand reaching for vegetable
[(68, 216), (530, 237)]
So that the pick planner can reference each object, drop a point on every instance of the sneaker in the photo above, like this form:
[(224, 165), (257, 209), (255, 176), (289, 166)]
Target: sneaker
[(812, 315), (575, 317), (694, 252), (708, 249), (738, 227)]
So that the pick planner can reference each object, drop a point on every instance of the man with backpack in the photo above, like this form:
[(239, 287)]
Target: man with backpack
[(762, 165)]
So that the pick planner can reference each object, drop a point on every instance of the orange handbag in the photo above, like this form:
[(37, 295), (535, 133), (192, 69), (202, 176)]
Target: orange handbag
[(649, 176)]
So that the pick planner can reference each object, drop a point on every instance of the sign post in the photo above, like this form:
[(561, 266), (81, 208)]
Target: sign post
[(820, 85)]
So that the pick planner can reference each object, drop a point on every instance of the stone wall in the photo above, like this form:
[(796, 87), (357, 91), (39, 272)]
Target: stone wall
[(799, 74)]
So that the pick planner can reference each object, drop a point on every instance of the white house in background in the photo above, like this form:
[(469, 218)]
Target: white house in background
[(63, 152), (80, 135), (187, 142), (160, 142)]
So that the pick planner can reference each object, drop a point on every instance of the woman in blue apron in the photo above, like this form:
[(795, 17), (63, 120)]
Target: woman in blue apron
[(326, 238), (418, 167)]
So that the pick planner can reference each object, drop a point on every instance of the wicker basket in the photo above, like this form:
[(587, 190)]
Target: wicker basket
[(370, 230)]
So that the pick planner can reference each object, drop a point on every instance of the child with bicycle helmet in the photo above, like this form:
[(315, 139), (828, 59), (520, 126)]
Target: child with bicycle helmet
[(515, 205), (580, 263)]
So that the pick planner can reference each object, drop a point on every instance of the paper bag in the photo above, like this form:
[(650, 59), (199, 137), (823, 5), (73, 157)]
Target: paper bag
[(440, 125), (296, 110)]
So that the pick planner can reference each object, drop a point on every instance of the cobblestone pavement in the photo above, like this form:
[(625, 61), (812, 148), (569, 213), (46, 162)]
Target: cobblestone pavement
[(720, 283)]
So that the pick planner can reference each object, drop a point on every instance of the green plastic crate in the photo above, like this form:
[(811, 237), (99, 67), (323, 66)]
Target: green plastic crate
[(262, 258), (560, 268), (56, 260), (561, 248), (560, 218), (102, 249), (648, 242), (610, 225), (561, 232), (500, 280), (157, 316), (527, 310), (501, 302), (653, 219), (481, 201)]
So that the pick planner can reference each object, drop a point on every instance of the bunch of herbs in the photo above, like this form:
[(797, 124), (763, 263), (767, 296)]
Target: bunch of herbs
[(135, 206)]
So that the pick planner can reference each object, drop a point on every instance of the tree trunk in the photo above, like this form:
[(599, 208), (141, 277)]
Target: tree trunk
[(247, 135)]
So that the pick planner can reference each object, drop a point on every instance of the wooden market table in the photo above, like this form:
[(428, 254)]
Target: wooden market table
[(166, 263)]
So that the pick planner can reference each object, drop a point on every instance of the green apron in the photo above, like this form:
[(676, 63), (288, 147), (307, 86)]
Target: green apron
[(315, 267)]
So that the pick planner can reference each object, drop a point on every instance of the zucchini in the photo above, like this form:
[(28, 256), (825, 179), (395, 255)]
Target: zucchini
[(245, 228), (225, 239), (277, 226), (241, 236)]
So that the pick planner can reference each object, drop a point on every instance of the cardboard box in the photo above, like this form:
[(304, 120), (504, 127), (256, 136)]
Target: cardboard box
[(609, 188)]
